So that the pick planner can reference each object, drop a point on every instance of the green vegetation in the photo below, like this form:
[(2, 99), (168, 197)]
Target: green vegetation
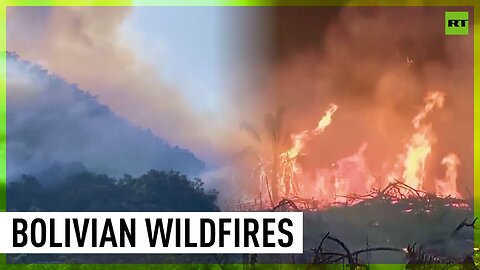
[(85, 191)]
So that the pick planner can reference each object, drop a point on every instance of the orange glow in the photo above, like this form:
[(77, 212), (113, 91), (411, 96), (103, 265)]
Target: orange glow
[(419, 146), (348, 177), (448, 186), (289, 157), (326, 119), (417, 151), (299, 139)]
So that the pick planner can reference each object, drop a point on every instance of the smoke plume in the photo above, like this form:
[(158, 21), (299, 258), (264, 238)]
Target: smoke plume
[(54, 128)]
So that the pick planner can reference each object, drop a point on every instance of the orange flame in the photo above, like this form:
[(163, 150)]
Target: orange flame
[(432, 100), (299, 139), (326, 119), (448, 186), (290, 168), (353, 175), (417, 151), (419, 146)]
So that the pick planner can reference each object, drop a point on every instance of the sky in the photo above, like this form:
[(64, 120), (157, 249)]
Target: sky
[(163, 68), (186, 47)]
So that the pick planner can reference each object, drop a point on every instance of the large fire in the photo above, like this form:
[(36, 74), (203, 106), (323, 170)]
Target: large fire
[(351, 175)]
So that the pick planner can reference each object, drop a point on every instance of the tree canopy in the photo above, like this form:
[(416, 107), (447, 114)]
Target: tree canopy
[(86, 191)]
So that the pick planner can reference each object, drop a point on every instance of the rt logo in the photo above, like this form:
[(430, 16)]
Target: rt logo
[(456, 23)]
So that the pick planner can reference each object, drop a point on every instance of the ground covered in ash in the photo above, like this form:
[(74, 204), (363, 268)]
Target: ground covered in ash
[(430, 225)]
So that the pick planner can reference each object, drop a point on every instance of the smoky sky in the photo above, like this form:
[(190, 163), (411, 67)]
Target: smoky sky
[(54, 129), (95, 48)]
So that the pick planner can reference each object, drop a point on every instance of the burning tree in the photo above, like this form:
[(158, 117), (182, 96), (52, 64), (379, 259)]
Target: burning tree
[(289, 157), (268, 164), (279, 172)]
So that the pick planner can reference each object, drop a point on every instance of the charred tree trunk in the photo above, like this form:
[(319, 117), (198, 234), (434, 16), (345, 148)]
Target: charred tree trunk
[(273, 124)]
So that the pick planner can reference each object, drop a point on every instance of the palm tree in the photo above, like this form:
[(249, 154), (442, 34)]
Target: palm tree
[(277, 138)]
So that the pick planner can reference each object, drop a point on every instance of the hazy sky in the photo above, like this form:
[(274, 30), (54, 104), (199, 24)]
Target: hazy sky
[(186, 46), (170, 69)]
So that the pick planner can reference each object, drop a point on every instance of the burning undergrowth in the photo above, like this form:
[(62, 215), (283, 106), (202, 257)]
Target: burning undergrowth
[(279, 173), (387, 216), (368, 216)]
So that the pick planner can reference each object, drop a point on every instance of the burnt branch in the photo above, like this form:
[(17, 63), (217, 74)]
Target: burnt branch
[(462, 225)]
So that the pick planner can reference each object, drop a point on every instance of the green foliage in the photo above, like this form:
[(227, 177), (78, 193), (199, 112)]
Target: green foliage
[(85, 191)]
